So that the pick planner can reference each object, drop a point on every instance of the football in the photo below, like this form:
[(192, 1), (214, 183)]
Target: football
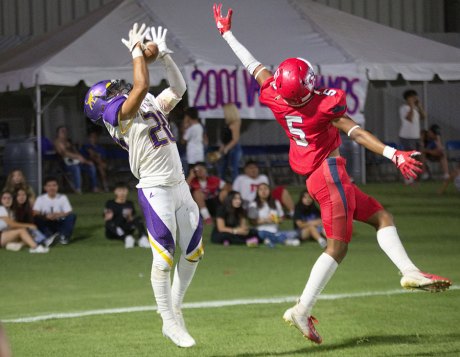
[(150, 52)]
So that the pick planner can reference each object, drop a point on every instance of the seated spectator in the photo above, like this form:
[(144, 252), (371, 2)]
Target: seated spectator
[(247, 183), (17, 180), (453, 177), (74, 162), (231, 223), (266, 213), (208, 191), (95, 152), (53, 213), (21, 211), (433, 150), (307, 220), (14, 235), (121, 221)]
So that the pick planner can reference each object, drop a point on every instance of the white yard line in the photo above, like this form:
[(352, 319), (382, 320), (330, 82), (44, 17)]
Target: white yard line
[(207, 304)]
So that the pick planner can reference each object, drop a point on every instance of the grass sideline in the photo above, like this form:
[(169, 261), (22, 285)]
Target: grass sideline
[(94, 273)]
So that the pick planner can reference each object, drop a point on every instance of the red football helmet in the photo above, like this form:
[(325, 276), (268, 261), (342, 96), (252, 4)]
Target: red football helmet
[(295, 80)]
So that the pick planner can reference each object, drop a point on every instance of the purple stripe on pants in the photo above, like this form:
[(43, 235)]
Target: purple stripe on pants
[(196, 236), (155, 225)]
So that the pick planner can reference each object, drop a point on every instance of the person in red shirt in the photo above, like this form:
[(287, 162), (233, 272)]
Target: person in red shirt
[(312, 119), (208, 191)]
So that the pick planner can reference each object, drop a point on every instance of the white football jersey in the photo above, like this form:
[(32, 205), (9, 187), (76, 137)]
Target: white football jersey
[(153, 155)]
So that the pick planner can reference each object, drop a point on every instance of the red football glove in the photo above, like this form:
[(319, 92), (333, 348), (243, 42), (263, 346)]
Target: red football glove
[(224, 24), (405, 162)]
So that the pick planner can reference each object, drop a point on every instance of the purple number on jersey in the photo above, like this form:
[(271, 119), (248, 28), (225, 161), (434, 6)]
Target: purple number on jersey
[(161, 125)]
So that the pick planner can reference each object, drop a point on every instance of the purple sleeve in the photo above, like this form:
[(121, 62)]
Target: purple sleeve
[(111, 111)]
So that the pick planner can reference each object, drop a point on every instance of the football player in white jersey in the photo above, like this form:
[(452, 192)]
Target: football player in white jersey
[(136, 120)]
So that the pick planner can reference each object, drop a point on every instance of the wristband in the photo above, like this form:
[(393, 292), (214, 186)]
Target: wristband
[(389, 152), (137, 52)]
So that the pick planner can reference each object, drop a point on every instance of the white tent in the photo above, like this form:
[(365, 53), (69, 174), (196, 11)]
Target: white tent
[(337, 43), (90, 49)]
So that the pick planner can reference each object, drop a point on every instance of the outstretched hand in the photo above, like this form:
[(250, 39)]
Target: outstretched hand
[(159, 37), (224, 24), (405, 162), (136, 35)]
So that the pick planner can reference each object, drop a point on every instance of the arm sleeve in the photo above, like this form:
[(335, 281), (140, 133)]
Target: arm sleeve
[(169, 98), (66, 206), (246, 58)]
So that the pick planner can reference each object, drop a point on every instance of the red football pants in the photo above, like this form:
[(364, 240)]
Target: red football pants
[(340, 201)]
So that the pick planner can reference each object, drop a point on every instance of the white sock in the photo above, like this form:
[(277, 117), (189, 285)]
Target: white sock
[(320, 275), (205, 213), (161, 284), (391, 244), (183, 275)]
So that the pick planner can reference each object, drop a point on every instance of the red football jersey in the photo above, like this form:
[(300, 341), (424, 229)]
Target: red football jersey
[(312, 137)]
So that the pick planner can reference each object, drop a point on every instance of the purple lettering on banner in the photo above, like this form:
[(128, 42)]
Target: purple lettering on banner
[(197, 73), (252, 88), (217, 92), (344, 83), (229, 88)]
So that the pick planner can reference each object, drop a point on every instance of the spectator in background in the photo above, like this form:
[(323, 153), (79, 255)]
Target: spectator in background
[(307, 220), (266, 214), (53, 213), (96, 153), (248, 182), (232, 223), (433, 150), (74, 162), (209, 192), (410, 114), (121, 220), (230, 148), (193, 136), (20, 210), (16, 180), (14, 235)]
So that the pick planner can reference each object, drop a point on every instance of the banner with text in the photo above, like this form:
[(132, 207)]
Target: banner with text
[(210, 87)]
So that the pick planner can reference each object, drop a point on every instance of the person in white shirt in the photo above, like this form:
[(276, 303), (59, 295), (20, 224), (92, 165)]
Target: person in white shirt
[(246, 184), (53, 212), (136, 120), (193, 136), (411, 113)]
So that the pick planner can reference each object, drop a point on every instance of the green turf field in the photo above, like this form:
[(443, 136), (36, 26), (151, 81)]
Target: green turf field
[(93, 273)]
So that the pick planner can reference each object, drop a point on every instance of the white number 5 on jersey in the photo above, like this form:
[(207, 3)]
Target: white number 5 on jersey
[(290, 120)]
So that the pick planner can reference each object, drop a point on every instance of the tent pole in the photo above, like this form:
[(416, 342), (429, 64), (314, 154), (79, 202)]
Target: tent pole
[(425, 102), (38, 118)]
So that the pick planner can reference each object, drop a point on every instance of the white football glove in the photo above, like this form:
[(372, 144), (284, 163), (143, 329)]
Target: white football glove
[(159, 37), (136, 35)]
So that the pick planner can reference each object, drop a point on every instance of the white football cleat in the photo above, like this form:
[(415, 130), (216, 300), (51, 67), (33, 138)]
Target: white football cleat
[(304, 323), (178, 335), (425, 281)]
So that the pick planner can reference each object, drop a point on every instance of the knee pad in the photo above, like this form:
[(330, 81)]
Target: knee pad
[(195, 255), (160, 263)]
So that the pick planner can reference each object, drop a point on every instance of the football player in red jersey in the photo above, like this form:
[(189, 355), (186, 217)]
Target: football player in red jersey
[(312, 120)]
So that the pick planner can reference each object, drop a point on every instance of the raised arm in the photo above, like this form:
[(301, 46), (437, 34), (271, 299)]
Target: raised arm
[(141, 81), (404, 160), (172, 95), (224, 25)]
